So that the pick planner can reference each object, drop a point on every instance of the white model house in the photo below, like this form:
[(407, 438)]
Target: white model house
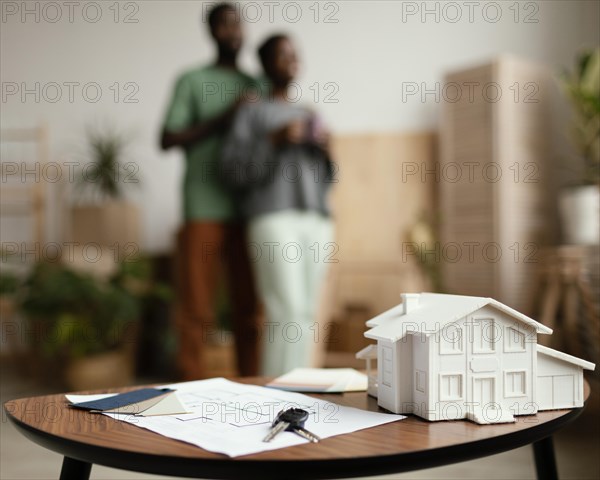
[(446, 357)]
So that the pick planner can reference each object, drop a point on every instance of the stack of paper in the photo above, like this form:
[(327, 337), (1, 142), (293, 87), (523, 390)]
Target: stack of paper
[(321, 380), (234, 418)]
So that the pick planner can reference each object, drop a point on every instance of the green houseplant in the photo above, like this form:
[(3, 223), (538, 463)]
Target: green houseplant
[(423, 238), (85, 328), (101, 212), (9, 286), (102, 176), (579, 204), (78, 315)]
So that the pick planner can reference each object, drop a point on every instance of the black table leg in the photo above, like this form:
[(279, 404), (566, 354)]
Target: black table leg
[(75, 469), (545, 463)]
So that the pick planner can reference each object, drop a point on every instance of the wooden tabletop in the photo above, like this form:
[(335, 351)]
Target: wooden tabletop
[(399, 446)]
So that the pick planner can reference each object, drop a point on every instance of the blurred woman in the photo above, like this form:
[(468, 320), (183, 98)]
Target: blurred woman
[(277, 159)]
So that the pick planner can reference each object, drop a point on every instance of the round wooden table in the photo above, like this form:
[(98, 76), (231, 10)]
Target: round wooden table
[(411, 444)]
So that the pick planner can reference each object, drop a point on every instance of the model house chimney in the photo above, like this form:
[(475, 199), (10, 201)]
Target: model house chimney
[(410, 301)]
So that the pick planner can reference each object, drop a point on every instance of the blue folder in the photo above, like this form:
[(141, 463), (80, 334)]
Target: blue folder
[(122, 400)]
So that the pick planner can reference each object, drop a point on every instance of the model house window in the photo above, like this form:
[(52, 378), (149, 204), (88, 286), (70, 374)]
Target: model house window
[(514, 340), (386, 365), (484, 335), (514, 383), (420, 381), (451, 340), (451, 386)]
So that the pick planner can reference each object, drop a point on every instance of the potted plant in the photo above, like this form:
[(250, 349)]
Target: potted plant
[(424, 238), (101, 214), (84, 329), (580, 204), (9, 284)]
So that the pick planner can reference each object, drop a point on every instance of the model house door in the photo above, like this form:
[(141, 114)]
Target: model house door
[(556, 391), (563, 388), (484, 392)]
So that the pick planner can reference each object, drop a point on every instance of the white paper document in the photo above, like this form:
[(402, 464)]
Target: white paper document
[(325, 380), (233, 418)]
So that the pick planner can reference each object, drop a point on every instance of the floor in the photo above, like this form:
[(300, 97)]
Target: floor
[(577, 450)]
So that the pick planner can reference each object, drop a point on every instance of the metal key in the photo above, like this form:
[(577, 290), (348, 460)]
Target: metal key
[(291, 420)]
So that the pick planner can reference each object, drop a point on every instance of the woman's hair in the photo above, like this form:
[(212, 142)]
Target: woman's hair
[(267, 49)]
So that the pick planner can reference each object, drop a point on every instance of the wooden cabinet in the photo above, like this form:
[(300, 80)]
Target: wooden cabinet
[(375, 204), (494, 180)]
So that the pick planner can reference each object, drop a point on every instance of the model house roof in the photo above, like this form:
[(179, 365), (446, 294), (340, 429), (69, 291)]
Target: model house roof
[(565, 357), (429, 312)]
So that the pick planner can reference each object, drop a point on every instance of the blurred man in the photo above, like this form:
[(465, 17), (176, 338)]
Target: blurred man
[(200, 113)]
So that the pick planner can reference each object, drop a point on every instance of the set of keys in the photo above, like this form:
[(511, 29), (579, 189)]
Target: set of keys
[(291, 420)]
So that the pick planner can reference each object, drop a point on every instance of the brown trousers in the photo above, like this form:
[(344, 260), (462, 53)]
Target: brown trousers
[(206, 251)]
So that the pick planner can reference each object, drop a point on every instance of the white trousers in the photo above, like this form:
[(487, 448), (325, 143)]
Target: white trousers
[(290, 251)]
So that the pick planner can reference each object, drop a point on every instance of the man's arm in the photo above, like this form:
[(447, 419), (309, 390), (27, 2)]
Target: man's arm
[(182, 127), (198, 132)]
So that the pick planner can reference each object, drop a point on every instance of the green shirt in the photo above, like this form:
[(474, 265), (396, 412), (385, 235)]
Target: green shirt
[(201, 94)]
